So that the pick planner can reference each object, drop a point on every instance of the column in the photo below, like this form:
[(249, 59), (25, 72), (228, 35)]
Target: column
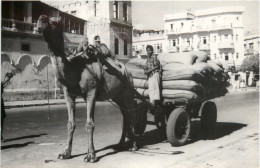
[(28, 12)]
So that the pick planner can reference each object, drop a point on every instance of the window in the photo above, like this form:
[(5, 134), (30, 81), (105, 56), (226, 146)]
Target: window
[(125, 14), (115, 10), (251, 46), (25, 47), (125, 47), (226, 57), (95, 8), (171, 26), (204, 40), (158, 48), (116, 46), (226, 37), (237, 55), (215, 56), (174, 43), (215, 38), (237, 18), (133, 48), (236, 37), (73, 12), (245, 46), (188, 42), (181, 24)]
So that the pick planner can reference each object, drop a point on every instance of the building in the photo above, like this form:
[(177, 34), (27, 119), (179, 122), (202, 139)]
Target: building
[(218, 31), (24, 52), (111, 20), (251, 43), (143, 38)]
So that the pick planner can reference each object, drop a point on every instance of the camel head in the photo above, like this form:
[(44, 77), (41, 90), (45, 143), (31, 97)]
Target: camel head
[(43, 22), (52, 30)]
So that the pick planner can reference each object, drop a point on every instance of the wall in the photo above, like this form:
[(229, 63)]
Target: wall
[(33, 69)]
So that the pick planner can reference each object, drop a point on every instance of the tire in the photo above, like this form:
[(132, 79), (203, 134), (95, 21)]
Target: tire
[(209, 118), (178, 127)]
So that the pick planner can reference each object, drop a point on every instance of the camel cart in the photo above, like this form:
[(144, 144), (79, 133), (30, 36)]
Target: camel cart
[(175, 116)]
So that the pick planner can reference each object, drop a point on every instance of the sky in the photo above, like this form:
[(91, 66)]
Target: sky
[(150, 14)]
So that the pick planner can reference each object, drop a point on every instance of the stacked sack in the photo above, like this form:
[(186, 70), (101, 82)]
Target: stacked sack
[(187, 77)]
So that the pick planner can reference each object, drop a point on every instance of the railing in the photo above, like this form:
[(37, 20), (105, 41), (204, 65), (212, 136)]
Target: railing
[(173, 49), (18, 25), (204, 47), (179, 30), (226, 45), (187, 48)]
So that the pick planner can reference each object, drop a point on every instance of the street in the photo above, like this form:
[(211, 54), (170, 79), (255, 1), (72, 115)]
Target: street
[(34, 141)]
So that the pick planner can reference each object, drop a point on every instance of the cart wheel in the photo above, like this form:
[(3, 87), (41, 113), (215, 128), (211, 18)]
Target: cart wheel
[(209, 118), (178, 127)]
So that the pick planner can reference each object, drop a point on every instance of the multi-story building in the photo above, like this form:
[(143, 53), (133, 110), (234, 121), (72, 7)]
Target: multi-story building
[(154, 38), (251, 43), (111, 20), (24, 51), (218, 31)]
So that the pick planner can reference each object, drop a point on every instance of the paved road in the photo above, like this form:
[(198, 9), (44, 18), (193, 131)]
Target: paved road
[(33, 140)]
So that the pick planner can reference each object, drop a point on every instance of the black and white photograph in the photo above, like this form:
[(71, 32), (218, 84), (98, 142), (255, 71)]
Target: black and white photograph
[(129, 84)]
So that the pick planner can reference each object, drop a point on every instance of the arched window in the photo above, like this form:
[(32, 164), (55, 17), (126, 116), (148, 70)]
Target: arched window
[(116, 46), (125, 47), (125, 14), (115, 10)]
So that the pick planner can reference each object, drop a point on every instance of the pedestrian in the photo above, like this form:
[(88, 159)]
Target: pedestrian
[(7, 79), (3, 114)]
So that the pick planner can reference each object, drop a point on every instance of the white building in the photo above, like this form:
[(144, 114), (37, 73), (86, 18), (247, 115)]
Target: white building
[(218, 31), (154, 38), (111, 20), (251, 43)]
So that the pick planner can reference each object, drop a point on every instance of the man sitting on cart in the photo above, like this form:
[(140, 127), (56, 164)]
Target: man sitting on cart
[(153, 71)]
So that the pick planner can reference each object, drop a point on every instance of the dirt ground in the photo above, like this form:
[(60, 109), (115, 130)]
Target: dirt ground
[(33, 141)]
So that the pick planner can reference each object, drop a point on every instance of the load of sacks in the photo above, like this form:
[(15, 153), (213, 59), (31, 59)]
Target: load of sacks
[(187, 77)]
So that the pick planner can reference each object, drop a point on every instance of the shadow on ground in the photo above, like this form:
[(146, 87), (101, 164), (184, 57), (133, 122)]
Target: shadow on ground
[(16, 145), (222, 129), (24, 137), (158, 136)]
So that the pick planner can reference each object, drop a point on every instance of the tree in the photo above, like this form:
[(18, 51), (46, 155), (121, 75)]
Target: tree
[(251, 63)]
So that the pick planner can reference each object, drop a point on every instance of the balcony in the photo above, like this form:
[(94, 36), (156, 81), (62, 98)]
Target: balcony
[(186, 48), (15, 25), (179, 30), (213, 27), (204, 47), (172, 49), (226, 45)]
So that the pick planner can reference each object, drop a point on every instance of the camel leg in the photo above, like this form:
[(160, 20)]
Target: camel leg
[(90, 103), (70, 102), (129, 117)]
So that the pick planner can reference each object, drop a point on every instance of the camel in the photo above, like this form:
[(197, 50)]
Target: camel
[(84, 76)]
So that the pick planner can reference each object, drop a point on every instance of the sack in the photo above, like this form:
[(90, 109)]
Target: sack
[(183, 74), (203, 68), (173, 84), (136, 63), (178, 74), (171, 94), (216, 67), (202, 56), (184, 58)]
